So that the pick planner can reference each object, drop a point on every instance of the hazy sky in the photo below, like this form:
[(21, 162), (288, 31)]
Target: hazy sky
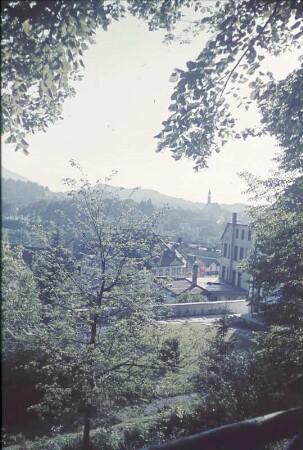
[(111, 122)]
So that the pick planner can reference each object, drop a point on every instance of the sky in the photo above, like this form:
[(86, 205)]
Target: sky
[(118, 109)]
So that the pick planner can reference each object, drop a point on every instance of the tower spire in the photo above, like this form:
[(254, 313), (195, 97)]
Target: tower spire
[(209, 197)]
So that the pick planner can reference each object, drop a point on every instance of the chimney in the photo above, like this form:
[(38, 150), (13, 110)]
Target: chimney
[(234, 218), (194, 274)]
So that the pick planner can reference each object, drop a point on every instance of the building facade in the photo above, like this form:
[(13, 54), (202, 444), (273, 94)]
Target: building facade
[(237, 244), (170, 262)]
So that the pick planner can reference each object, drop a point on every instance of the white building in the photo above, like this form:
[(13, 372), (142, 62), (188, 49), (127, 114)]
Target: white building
[(237, 244)]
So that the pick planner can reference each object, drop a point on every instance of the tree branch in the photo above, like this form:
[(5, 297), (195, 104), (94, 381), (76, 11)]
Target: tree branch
[(249, 47)]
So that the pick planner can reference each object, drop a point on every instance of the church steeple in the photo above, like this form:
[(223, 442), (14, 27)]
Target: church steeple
[(209, 197)]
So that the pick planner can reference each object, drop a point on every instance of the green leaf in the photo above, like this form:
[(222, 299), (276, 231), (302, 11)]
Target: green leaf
[(26, 27), (24, 143), (11, 139)]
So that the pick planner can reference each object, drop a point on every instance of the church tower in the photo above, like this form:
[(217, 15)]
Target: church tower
[(209, 197)]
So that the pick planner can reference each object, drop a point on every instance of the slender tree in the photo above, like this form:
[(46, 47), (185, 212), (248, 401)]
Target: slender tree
[(100, 327)]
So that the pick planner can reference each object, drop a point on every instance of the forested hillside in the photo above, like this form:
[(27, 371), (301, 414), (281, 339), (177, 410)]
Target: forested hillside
[(192, 222), (23, 192)]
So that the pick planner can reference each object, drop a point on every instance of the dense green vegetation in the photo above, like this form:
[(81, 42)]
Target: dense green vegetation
[(86, 338), (25, 202), (81, 339), (46, 55), (231, 75)]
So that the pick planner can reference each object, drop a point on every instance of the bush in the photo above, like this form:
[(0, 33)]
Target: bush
[(170, 355)]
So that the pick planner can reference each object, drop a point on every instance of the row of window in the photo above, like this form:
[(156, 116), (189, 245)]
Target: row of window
[(169, 271), (243, 234), (238, 252)]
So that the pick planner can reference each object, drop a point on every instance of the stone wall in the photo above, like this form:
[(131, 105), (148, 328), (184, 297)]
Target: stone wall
[(209, 308)]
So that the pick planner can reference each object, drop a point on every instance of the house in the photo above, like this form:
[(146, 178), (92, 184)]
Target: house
[(174, 287), (170, 262), (208, 266), (207, 259), (237, 244), (210, 288)]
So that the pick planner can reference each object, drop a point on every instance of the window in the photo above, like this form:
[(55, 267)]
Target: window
[(178, 270), (239, 279), (225, 250), (236, 253), (167, 272), (237, 233), (227, 273), (249, 235), (241, 253), (173, 271), (228, 253), (242, 234), (160, 272)]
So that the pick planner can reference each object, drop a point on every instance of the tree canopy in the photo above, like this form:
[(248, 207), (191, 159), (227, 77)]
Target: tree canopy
[(43, 44), (277, 264), (231, 74)]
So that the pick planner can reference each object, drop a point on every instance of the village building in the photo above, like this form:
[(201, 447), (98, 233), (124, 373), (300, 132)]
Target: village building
[(170, 263), (237, 244)]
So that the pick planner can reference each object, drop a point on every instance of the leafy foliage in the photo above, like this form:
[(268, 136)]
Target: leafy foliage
[(170, 354), (99, 335), (43, 46), (236, 384), (277, 264), (189, 297), (203, 102), (21, 308), (21, 317)]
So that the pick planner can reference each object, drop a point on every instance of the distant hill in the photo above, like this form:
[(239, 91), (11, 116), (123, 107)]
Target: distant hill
[(19, 190), (213, 212), (217, 212), (158, 199), (8, 174)]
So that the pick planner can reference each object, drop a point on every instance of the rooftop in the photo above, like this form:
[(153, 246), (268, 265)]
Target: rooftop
[(169, 258), (179, 286), (215, 285)]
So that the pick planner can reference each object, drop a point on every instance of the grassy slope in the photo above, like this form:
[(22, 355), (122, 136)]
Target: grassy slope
[(194, 340)]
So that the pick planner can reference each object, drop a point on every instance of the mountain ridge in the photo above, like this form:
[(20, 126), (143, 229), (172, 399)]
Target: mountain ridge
[(141, 194), (9, 174)]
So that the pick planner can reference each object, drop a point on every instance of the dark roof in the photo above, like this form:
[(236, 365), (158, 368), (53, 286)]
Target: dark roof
[(186, 251), (222, 288), (168, 258), (179, 286)]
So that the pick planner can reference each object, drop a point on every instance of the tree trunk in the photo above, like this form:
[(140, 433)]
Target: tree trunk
[(88, 411), (86, 430)]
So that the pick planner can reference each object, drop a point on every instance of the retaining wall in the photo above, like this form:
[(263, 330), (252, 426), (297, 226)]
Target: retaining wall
[(209, 308)]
